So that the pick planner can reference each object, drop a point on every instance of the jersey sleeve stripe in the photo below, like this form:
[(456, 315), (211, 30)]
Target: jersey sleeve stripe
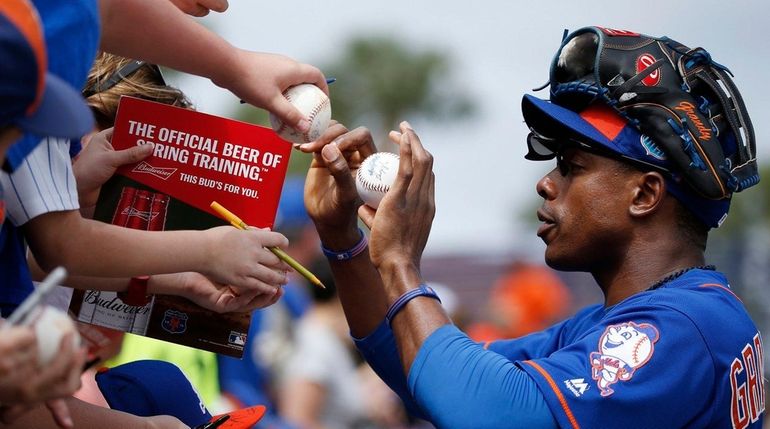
[(557, 392)]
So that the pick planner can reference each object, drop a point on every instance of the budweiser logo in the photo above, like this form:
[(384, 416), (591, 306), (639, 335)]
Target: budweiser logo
[(115, 304), (130, 211), (159, 172)]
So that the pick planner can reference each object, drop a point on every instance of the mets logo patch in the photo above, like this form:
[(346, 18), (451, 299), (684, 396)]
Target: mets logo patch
[(623, 348)]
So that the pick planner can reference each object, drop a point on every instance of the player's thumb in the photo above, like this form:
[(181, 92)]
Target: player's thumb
[(289, 115), (132, 154), (339, 169)]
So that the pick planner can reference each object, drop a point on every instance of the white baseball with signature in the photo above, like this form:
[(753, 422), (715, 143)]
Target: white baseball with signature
[(375, 177), (314, 105)]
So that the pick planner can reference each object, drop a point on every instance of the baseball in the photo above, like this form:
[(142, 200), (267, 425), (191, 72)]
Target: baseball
[(51, 325), (311, 102), (375, 177)]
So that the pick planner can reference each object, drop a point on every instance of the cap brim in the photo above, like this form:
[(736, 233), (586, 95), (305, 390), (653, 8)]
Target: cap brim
[(555, 121), (242, 419), (62, 112)]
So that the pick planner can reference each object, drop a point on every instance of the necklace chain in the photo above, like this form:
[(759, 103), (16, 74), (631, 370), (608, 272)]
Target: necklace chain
[(678, 274)]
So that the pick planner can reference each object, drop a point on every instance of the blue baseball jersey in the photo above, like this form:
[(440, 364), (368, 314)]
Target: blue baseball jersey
[(684, 355)]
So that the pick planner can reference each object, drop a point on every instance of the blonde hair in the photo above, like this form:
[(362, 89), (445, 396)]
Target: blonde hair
[(145, 83)]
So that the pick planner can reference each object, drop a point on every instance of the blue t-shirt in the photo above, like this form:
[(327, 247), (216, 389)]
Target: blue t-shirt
[(684, 355)]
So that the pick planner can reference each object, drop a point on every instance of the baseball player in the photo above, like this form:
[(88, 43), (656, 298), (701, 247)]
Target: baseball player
[(651, 140)]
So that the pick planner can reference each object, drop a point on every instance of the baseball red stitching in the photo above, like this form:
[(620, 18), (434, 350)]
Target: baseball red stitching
[(369, 185), (313, 113)]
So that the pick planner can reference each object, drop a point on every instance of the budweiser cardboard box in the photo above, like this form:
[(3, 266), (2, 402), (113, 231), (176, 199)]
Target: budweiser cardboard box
[(198, 158)]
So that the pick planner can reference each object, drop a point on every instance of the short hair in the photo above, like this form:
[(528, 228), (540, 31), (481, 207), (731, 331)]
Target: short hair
[(145, 83), (692, 229)]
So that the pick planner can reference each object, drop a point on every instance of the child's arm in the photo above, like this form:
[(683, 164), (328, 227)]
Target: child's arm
[(256, 77), (91, 248)]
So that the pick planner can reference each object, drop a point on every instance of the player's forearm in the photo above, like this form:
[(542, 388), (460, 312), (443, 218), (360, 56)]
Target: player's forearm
[(461, 385), (419, 318), (167, 37), (358, 284), (90, 248)]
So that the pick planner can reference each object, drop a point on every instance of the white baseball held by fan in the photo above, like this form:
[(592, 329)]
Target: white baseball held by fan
[(315, 107), (375, 177), (51, 325)]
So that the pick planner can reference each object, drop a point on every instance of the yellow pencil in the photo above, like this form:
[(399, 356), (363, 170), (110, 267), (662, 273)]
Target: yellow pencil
[(238, 223)]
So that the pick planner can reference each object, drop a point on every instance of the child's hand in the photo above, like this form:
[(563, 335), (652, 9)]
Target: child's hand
[(240, 258)]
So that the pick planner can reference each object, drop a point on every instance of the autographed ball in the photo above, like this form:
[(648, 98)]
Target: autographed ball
[(375, 177), (51, 325), (314, 105)]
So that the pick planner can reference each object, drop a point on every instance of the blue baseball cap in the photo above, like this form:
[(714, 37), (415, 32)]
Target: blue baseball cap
[(153, 387), (72, 37), (603, 129), (31, 98)]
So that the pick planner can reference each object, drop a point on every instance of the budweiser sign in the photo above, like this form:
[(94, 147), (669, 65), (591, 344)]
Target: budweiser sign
[(159, 172), (147, 216)]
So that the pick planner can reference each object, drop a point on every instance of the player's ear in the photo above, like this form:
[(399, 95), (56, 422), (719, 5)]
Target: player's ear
[(648, 193)]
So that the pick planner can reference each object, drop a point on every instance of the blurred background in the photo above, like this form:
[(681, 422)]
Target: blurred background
[(457, 72)]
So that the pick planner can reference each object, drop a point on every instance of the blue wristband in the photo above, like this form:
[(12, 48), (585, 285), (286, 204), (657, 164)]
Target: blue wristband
[(349, 253), (400, 303)]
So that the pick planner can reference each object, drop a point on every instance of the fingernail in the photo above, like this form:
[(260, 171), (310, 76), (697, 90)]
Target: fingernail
[(304, 146), (303, 125), (296, 145), (406, 124), (68, 422), (151, 146), (330, 153)]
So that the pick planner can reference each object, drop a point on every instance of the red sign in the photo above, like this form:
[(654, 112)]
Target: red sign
[(200, 158), (644, 61)]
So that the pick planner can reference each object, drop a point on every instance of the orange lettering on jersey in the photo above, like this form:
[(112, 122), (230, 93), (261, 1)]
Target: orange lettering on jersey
[(760, 370), (747, 392), (739, 414), (751, 379)]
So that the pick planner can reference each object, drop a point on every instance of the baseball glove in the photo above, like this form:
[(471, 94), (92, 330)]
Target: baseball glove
[(678, 96)]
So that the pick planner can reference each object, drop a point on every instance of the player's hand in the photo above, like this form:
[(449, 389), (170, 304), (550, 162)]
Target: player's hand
[(401, 225), (212, 295), (240, 259), (200, 7), (260, 79), (331, 198), (98, 161)]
